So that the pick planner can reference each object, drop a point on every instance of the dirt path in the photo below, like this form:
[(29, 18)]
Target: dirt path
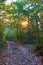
[(15, 54)]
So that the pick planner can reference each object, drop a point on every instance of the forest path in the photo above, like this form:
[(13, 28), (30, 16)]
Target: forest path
[(15, 54)]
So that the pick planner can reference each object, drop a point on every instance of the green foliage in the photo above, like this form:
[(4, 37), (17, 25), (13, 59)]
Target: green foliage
[(2, 40), (10, 32), (14, 13)]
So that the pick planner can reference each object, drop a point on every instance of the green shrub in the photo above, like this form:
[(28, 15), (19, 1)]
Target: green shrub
[(10, 35), (2, 40)]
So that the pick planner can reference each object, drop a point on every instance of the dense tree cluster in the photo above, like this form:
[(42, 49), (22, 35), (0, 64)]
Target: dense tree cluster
[(11, 15)]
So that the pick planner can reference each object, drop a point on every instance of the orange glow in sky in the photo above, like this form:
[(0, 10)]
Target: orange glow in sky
[(24, 24)]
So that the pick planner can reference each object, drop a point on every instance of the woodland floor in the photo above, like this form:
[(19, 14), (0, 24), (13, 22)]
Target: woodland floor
[(15, 54)]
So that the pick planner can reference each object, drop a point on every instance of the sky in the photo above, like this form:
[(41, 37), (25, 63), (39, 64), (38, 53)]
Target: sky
[(7, 2)]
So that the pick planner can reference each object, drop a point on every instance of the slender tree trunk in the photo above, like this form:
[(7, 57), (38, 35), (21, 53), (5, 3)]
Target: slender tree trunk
[(37, 20)]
